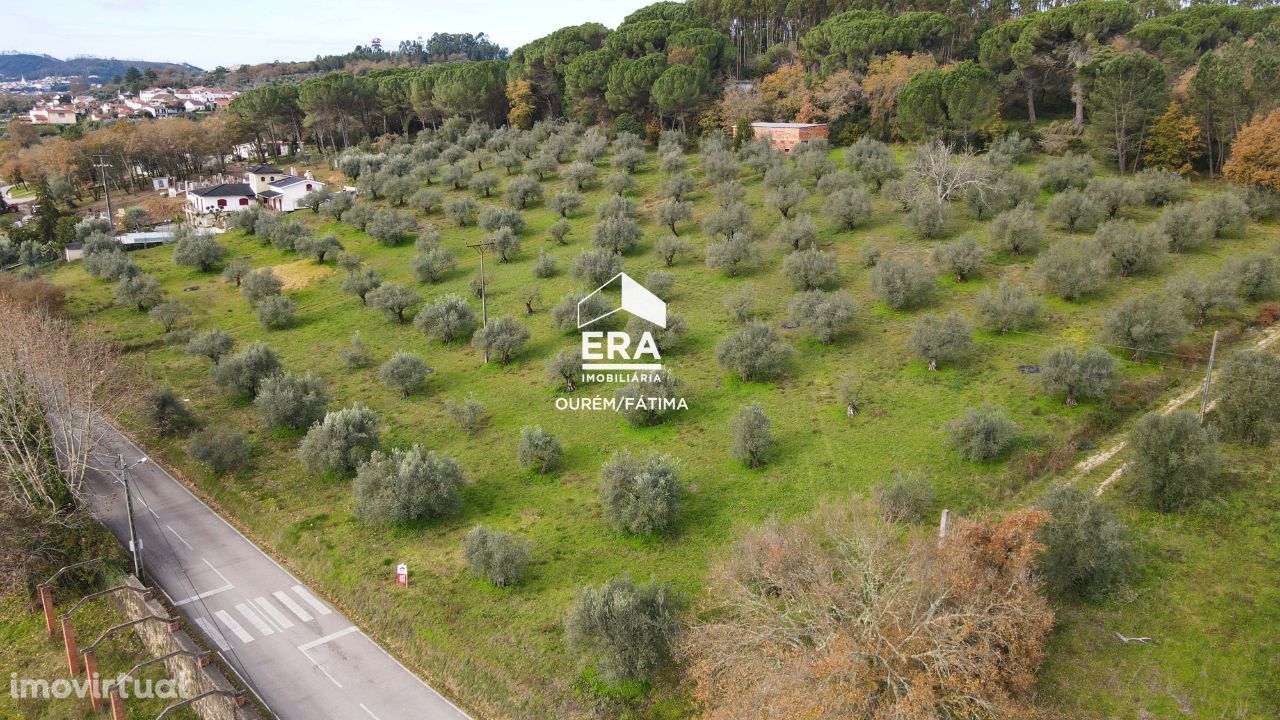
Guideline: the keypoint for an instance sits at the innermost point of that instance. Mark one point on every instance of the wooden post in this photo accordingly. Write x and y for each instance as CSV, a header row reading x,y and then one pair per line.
x,y
69,641
117,704
46,602
942,526
91,671
1208,375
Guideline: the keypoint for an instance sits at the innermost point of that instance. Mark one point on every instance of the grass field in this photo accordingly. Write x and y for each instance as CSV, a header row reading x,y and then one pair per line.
x,y
501,651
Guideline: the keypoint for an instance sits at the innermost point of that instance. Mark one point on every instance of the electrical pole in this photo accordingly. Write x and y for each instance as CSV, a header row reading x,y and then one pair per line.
x,y
135,545
1208,375
482,248
102,165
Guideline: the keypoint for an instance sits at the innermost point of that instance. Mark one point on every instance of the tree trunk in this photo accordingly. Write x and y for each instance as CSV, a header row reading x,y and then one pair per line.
x,y
1031,105
1077,95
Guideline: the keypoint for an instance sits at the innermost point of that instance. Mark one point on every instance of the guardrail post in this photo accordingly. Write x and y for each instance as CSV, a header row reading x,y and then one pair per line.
x,y
46,602
69,639
117,705
91,671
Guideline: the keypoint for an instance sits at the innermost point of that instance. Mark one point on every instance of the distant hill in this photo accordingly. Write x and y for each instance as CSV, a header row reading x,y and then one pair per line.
x,y
16,65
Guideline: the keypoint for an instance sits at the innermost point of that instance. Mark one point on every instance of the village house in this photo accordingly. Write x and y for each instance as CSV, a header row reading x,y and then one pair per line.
x,y
784,136
264,185
52,115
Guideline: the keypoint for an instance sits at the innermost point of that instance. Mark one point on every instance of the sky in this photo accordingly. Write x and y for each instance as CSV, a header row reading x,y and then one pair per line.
x,y
208,33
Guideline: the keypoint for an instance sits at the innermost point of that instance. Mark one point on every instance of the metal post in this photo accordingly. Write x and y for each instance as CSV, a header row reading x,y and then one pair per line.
x,y
135,545
1208,375
106,187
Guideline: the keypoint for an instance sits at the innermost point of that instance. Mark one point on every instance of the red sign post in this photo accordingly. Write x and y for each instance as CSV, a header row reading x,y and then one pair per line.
x,y
402,575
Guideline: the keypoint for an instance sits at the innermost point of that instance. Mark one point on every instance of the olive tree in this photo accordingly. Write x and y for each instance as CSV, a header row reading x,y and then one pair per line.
x,y
733,254
1256,276
167,413
286,400
168,314
199,250
538,449
941,339
140,291
404,372
214,344
1086,548
566,203
1017,231
640,495
1162,187
672,248
432,264
811,269
752,441
1202,296
1008,307
981,434
1186,227
1248,401
341,441
522,192
673,211
617,235
754,352
394,300
260,284
1133,250
362,282
596,267
1074,211
1175,459
244,373
276,312
1113,193
1072,269
1074,374
961,259
629,630
500,558
826,316
900,284
503,339
565,368
224,450
848,207
559,231
357,354
798,233
403,486
649,401
1147,323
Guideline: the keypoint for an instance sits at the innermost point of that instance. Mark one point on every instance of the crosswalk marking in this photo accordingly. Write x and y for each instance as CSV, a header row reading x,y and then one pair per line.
x,y
233,626
254,620
311,600
213,633
276,616
293,606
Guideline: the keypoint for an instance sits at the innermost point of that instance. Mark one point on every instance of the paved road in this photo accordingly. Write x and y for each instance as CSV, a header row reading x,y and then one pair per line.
x,y
301,656
6,189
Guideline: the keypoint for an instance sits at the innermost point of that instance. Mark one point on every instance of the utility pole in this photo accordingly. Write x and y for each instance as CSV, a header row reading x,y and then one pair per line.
x,y
1208,375
101,164
135,545
483,248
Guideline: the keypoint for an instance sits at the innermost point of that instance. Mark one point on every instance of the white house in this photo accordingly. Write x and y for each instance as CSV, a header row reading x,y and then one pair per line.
x,y
227,197
264,185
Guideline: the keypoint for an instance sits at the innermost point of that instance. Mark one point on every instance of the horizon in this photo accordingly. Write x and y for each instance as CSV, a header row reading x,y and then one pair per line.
x,y
124,31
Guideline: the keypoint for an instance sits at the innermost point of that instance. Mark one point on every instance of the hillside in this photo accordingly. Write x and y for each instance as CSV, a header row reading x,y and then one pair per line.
x,y
501,650
17,65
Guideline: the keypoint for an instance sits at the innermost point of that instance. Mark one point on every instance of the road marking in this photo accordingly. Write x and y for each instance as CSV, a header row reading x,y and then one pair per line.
x,y
332,679
328,638
203,595
294,607
254,620
273,614
375,717
311,600
215,571
175,534
234,626
213,633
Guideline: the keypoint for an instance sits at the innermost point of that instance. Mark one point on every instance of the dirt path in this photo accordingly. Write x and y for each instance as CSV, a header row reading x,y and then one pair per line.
x,y
1085,467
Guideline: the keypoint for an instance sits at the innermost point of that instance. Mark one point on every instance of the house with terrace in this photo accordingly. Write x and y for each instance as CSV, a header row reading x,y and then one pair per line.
x,y
263,185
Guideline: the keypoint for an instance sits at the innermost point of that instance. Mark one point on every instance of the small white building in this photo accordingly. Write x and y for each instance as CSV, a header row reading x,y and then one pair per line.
x,y
227,197
264,185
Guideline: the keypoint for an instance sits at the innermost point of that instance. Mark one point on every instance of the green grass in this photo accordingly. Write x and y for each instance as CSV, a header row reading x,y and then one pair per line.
x,y
500,651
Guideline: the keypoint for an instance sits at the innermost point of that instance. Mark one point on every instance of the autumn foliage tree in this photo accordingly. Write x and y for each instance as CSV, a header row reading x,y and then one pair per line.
x,y
1173,142
1255,155
836,617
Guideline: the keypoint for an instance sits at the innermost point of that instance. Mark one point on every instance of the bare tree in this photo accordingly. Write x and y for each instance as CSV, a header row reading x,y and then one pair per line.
x,y
947,174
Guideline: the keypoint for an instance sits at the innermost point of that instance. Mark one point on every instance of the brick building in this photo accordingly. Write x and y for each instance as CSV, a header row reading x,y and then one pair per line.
x,y
785,136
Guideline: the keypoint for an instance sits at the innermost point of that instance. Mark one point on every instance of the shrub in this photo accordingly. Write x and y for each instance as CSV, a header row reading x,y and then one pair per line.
x,y
1248,401
961,258
276,312
629,630
665,338
1201,296
1112,194
741,305
559,231
752,440
166,412
341,441
325,247
433,264
1074,211
260,284
1148,323
213,344
660,395
1017,231
199,250
1186,226
981,434
660,283
243,373
732,255
362,282
1086,547
462,211
447,319
1174,459
1133,250
825,316
847,207
499,557
357,355
811,269
873,160
393,299
906,497
1010,307
1162,187
755,352
565,368
404,372
538,449
640,495
290,401
596,267
113,265
402,486
1256,276
522,192
140,291
224,450
1074,374
941,339
799,233
901,285
727,220
928,216
1072,269
617,235
566,203
468,414
1068,171
1225,213
504,337
620,183
426,200
169,314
